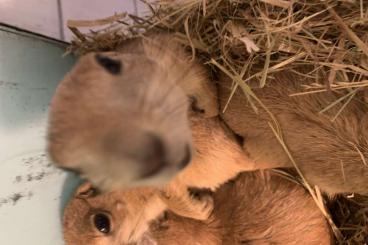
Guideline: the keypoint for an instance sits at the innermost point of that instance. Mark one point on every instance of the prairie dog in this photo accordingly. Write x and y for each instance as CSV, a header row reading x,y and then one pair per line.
x,y
120,118
332,155
255,208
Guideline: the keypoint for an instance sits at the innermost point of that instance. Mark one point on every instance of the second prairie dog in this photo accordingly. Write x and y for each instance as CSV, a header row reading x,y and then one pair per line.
x,y
256,208
332,155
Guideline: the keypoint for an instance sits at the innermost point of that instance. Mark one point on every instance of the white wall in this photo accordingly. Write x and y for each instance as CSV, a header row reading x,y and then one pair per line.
x,y
48,17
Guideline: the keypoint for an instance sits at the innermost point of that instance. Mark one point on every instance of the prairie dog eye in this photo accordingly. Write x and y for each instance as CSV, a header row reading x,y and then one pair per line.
x,y
102,223
111,65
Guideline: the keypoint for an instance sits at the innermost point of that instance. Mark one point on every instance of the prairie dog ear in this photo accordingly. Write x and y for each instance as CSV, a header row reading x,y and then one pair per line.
x,y
147,239
202,92
207,99
85,190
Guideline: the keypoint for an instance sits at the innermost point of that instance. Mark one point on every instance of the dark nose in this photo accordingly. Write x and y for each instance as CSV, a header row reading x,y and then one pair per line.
x,y
153,157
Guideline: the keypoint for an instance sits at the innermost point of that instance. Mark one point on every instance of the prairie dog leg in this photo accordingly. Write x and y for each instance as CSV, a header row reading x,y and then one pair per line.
x,y
178,197
179,200
218,159
210,174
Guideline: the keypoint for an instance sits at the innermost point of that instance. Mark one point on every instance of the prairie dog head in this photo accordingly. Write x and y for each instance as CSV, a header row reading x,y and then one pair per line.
x,y
130,217
120,118
120,217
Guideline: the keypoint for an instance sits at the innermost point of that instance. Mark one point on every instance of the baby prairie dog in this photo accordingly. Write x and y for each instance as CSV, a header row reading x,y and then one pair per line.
x,y
255,208
330,154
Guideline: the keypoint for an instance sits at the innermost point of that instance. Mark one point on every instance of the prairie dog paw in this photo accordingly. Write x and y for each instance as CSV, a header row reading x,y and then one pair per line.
x,y
202,203
191,203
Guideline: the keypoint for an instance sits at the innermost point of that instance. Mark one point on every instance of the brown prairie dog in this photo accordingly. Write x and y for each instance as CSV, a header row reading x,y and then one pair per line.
x,y
120,119
256,208
332,155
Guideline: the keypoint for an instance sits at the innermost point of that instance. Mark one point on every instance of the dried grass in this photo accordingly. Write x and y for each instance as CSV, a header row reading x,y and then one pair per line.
x,y
252,39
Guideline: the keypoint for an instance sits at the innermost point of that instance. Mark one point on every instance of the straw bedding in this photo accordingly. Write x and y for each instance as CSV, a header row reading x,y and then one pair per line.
x,y
252,39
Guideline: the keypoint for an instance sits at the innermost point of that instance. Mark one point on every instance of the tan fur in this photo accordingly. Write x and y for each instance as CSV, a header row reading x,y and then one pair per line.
x,y
257,208
98,120
217,158
129,210
332,155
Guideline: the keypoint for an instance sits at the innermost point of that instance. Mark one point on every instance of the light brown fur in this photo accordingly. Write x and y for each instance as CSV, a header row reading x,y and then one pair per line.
x,y
257,208
217,158
332,155
100,123
98,120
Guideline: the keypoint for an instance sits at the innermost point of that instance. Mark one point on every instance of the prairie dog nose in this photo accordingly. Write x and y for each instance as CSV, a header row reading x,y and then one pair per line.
x,y
153,156
145,149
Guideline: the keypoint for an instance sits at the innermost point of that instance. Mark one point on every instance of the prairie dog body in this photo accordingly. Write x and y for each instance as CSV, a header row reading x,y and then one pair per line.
x,y
256,208
332,155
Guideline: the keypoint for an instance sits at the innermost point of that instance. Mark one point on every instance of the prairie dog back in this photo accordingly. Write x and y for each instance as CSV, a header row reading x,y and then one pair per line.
x,y
332,155
255,208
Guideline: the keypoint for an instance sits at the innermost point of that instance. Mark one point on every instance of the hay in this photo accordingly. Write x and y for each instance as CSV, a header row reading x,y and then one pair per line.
x,y
252,39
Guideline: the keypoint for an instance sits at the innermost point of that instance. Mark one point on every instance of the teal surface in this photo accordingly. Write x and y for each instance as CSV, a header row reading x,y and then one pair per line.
x,y
32,191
